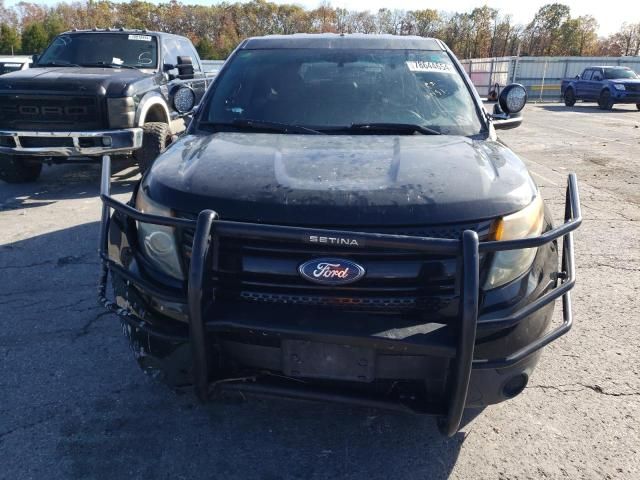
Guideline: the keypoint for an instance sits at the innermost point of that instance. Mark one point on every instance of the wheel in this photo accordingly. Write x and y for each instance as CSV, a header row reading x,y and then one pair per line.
x,y
156,137
569,97
605,102
19,169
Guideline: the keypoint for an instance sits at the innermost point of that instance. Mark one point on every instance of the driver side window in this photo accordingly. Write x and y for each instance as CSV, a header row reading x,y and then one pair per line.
x,y
597,76
587,75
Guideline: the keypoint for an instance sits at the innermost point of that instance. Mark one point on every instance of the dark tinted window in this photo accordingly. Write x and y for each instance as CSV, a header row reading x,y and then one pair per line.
x,y
325,88
134,50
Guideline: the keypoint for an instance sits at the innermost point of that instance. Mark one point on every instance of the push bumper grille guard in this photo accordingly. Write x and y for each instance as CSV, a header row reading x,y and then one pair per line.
x,y
204,259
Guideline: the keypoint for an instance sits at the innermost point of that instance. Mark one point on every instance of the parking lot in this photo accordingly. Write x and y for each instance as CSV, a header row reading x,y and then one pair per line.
x,y
73,403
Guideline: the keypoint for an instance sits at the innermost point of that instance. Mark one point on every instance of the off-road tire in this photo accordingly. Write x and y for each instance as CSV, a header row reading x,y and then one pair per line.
x,y
19,169
605,102
569,97
156,137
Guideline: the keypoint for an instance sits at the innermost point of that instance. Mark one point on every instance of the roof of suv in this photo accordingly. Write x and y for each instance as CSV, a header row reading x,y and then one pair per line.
x,y
609,67
131,31
335,40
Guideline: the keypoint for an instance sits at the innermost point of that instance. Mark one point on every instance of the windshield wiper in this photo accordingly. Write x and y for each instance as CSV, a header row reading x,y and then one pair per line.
x,y
55,63
263,125
394,127
108,65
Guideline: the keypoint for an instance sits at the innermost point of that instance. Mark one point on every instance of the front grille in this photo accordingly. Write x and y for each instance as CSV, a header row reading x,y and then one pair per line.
x,y
35,142
50,112
266,272
632,87
351,303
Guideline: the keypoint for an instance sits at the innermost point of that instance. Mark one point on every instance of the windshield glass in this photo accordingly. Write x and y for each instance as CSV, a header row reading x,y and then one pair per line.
x,y
109,49
614,73
329,89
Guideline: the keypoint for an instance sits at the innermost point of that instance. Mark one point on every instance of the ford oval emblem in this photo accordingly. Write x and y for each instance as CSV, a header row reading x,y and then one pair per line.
x,y
331,271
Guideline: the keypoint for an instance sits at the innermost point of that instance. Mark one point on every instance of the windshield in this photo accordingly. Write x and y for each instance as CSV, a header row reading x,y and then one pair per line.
x,y
614,73
332,89
102,49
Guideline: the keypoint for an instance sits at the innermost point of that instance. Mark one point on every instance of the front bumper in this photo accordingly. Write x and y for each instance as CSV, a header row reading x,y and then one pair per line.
x,y
624,96
70,144
450,347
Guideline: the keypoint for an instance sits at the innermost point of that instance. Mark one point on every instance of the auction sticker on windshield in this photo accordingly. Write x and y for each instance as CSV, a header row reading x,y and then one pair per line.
x,y
142,38
421,66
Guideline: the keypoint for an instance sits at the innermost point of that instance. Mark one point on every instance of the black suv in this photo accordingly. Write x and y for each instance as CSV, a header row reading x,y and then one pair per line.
x,y
97,92
340,223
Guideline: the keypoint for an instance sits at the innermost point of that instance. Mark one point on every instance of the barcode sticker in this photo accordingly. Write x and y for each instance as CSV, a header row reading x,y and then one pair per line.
x,y
141,38
420,66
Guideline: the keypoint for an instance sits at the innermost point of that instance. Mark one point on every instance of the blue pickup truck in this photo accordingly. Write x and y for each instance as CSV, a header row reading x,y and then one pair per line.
x,y
605,85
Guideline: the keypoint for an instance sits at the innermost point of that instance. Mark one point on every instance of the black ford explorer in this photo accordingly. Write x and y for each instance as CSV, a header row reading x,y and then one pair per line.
x,y
340,223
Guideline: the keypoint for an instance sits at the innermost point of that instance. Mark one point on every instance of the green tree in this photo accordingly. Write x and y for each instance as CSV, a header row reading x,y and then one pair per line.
x,y
545,31
9,40
54,24
34,38
425,22
206,49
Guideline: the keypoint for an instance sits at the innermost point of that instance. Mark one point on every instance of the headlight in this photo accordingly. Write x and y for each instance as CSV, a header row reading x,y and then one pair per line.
x,y
122,112
158,242
618,86
510,264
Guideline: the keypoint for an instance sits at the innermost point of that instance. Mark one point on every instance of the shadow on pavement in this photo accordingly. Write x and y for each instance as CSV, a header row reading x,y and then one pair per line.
x,y
590,108
73,393
63,182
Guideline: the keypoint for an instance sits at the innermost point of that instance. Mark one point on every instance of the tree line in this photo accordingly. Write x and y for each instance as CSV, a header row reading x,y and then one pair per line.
x,y
216,29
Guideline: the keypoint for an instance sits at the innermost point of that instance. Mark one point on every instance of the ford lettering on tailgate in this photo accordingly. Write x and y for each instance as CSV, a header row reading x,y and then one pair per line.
x,y
331,271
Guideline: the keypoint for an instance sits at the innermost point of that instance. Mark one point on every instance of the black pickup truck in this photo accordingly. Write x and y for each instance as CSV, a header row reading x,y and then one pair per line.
x,y
341,223
94,92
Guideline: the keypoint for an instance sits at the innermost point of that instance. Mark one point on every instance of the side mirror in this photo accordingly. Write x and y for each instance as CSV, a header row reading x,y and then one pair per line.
x,y
185,67
506,113
35,58
577,77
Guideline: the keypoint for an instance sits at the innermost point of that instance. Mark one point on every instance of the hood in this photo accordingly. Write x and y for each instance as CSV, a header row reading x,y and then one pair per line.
x,y
336,180
633,81
79,80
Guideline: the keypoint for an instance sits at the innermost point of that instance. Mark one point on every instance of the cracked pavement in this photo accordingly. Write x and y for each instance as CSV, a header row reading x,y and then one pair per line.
x,y
73,403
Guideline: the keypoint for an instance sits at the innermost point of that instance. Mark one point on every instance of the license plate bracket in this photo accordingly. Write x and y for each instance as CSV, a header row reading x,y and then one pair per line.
x,y
301,358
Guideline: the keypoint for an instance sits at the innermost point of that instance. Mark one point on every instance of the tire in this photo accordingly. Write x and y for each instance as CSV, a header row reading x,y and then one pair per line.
x,y
605,102
569,97
156,137
19,169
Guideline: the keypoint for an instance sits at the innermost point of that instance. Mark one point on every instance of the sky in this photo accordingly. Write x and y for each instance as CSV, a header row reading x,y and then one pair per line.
x,y
522,11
